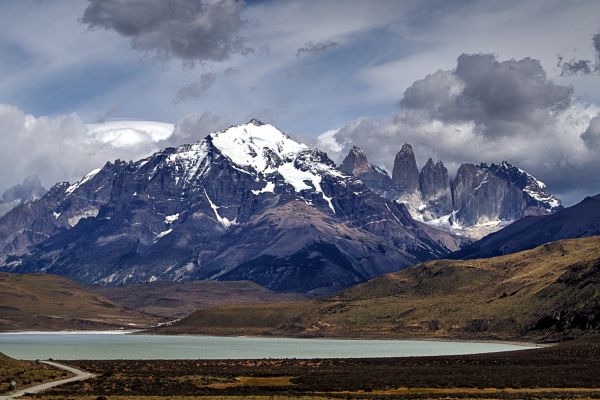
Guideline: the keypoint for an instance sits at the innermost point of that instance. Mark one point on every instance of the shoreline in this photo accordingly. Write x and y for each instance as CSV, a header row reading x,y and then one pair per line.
x,y
527,344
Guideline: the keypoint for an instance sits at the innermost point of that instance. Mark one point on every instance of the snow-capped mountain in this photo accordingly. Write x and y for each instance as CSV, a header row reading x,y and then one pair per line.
x,y
481,199
244,203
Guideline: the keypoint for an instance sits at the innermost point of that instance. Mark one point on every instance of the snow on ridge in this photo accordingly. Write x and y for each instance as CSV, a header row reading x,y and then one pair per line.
x,y
86,178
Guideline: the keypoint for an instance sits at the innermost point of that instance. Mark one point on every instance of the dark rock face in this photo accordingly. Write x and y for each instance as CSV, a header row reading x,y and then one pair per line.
x,y
580,220
245,203
405,175
375,178
29,190
435,188
481,196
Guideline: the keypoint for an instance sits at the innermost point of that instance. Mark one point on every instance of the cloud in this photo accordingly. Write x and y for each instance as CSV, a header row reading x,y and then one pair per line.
x,y
194,127
500,98
487,111
591,136
316,47
196,89
189,30
64,148
582,66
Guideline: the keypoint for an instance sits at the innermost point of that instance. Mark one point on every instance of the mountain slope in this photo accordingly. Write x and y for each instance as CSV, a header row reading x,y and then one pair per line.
x,y
580,220
180,213
549,292
50,302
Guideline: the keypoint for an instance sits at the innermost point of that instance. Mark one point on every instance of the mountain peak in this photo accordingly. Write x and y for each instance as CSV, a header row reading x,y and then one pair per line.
x,y
405,174
256,121
355,162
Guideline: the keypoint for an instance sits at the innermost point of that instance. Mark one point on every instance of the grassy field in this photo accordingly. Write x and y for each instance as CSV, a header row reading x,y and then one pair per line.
x,y
50,302
546,293
568,370
25,373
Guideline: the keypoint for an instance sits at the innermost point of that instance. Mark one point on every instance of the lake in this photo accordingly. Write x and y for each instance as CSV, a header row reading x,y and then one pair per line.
x,y
106,346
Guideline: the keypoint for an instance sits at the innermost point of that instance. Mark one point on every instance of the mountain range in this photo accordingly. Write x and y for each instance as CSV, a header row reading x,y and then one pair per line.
x,y
246,203
250,203
479,200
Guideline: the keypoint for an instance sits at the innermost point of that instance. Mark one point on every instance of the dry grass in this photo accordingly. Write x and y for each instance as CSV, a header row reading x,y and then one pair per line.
x,y
50,302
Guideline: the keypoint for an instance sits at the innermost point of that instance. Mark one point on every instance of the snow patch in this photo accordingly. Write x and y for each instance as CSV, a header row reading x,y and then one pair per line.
x,y
222,220
169,219
86,178
269,188
87,213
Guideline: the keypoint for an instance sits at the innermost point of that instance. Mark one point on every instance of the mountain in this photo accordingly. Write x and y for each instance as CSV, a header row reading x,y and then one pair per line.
x,y
547,293
30,189
580,220
50,302
178,299
246,203
479,200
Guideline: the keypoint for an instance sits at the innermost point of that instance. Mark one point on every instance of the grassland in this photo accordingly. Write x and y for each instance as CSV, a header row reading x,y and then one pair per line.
x,y
25,373
546,293
50,302
568,370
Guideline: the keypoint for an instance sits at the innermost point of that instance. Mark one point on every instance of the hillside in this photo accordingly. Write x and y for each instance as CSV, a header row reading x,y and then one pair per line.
x,y
177,299
548,292
580,220
50,302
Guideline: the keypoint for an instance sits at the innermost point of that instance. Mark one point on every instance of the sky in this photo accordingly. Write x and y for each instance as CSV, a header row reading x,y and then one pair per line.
x,y
462,81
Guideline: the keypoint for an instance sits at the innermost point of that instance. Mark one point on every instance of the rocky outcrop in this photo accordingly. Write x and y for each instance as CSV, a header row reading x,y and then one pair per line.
x,y
244,203
435,188
405,175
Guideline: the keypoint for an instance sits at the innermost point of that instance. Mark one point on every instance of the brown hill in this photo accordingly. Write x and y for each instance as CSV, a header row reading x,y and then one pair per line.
x,y
548,292
50,302
177,299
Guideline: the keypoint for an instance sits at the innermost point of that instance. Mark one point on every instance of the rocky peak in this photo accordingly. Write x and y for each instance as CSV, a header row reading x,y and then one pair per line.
x,y
435,188
356,162
405,174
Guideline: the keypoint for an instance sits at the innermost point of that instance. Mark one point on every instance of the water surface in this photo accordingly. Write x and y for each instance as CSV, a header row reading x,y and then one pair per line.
x,y
105,346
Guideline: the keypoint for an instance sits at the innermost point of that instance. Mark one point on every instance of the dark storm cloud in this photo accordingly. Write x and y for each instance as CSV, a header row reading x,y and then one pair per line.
x,y
494,95
190,30
316,47
196,89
